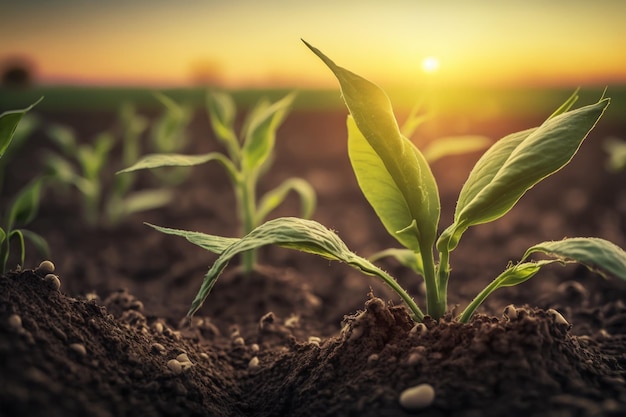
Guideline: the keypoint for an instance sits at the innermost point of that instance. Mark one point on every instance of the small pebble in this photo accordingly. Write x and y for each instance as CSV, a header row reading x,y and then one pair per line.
x,y
157,348
52,281
204,356
419,328
254,363
511,312
175,366
254,347
158,327
238,341
314,340
15,322
79,348
182,358
45,267
417,397
558,318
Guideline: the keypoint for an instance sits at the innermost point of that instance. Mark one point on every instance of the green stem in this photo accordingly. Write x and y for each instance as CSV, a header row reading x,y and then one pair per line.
x,y
246,197
435,306
443,273
371,269
471,308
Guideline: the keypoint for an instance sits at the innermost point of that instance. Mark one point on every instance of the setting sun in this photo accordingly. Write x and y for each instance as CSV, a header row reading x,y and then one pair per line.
x,y
430,64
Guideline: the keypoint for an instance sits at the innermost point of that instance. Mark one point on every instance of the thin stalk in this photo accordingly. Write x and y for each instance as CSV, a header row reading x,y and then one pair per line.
x,y
434,305
371,269
471,308
246,197
443,273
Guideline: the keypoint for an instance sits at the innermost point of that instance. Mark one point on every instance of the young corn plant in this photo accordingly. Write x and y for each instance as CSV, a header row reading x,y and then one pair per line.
x,y
397,181
84,167
245,162
23,209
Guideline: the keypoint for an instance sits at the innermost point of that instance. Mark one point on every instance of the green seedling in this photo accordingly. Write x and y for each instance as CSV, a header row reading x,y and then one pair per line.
x,y
169,135
83,166
616,149
397,181
246,161
24,206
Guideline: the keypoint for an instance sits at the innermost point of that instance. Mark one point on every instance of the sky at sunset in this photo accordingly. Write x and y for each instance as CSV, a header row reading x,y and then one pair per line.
x,y
256,43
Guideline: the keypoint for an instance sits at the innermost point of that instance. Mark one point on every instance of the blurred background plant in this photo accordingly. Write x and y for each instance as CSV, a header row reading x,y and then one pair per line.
x,y
616,148
247,158
86,166
23,208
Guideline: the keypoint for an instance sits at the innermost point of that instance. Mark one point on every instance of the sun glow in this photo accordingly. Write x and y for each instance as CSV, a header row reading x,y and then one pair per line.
x,y
430,64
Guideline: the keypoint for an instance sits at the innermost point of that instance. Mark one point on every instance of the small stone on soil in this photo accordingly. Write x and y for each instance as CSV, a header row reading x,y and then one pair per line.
x,y
175,366
511,312
79,348
15,322
52,281
45,267
417,397
254,363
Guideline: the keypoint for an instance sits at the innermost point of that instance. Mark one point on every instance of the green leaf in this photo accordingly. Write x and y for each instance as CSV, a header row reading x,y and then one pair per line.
x,y
20,238
260,134
3,236
299,234
222,112
379,187
25,206
509,169
214,244
9,121
373,115
275,197
137,202
179,160
454,145
414,120
37,241
64,137
406,257
597,254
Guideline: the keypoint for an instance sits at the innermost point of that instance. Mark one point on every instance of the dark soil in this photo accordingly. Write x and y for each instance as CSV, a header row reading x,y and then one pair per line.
x,y
302,336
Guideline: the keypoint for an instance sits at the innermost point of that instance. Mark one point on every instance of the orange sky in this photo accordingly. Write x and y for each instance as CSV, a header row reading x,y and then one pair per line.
x,y
243,42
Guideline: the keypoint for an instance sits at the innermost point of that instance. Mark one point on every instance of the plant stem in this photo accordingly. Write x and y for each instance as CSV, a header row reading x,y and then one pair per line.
x,y
435,306
372,269
246,197
469,310
443,273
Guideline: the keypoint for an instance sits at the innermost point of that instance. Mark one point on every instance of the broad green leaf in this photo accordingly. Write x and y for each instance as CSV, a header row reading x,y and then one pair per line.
x,y
597,254
222,112
25,206
494,187
214,244
179,160
373,115
299,234
275,197
260,134
9,121
406,257
454,145
379,187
